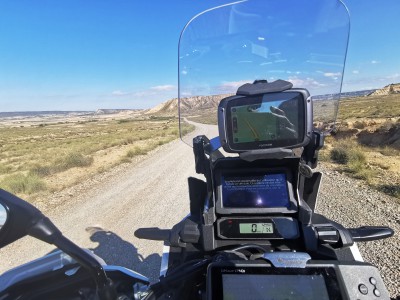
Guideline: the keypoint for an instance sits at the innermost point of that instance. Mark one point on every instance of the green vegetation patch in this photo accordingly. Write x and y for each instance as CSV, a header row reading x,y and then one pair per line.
x,y
63,163
389,151
370,107
20,183
186,128
4,169
366,143
136,151
347,152
72,160
43,150
352,158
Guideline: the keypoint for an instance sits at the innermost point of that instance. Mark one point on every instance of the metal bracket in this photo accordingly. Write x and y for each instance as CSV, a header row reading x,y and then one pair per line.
x,y
287,259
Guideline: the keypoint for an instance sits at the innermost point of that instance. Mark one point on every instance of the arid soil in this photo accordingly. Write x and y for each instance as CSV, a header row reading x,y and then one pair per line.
x,y
103,212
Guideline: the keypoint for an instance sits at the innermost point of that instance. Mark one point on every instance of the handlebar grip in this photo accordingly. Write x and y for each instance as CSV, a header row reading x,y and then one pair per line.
x,y
153,233
370,233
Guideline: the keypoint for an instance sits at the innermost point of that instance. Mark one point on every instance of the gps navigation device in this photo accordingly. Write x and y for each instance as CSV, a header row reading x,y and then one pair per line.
x,y
265,121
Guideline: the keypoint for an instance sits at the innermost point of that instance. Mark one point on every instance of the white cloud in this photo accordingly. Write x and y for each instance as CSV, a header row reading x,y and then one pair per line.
x,y
356,72
394,76
332,75
163,88
306,82
143,93
231,86
152,91
375,62
120,93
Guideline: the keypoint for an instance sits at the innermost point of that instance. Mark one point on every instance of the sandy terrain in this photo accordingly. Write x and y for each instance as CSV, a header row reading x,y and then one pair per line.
x,y
72,117
103,212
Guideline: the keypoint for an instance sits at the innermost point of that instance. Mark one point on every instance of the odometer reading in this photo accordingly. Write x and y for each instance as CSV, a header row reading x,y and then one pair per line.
x,y
246,228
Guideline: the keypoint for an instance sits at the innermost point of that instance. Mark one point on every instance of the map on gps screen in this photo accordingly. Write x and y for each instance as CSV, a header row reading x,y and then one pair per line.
x,y
265,122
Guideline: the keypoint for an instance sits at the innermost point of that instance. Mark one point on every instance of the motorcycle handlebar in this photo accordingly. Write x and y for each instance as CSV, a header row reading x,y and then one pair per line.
x,y
153,233
370,233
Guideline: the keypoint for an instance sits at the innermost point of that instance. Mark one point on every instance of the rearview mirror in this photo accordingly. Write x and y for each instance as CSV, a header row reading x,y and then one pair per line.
x,y
3,216
18,218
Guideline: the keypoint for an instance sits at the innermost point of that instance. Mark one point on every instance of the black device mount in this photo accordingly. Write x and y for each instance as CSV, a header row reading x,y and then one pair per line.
x,y
263,86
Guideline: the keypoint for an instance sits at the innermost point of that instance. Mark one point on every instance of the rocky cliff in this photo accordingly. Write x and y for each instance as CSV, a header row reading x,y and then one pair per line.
x,y
188,104
393,88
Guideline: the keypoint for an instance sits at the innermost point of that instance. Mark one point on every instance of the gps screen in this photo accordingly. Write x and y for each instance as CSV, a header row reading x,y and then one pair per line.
x,y
267,121
274,287
260,191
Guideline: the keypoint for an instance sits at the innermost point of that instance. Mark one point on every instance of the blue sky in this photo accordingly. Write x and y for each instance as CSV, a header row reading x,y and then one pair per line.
x,y
85,55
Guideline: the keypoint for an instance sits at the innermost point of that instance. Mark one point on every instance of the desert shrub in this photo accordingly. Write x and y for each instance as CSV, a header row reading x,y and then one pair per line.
x,y
175,132
323,155
71,160
125,159
389,151
162,142
186,128
41,171
4,169
128,140
20,183
352,155
360,124
360,170
136,151
340,155
122,121
346,151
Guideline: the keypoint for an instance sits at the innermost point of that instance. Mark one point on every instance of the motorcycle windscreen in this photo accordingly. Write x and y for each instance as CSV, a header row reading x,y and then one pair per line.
x,y
301,41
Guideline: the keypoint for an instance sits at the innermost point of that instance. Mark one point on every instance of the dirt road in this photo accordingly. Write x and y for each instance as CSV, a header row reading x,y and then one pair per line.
x,y
103,213
152,193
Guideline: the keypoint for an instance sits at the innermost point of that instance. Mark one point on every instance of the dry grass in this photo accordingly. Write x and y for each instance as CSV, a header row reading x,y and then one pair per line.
x,y
136,151
370,107
366,144
25,184
352,156
205,118
51,156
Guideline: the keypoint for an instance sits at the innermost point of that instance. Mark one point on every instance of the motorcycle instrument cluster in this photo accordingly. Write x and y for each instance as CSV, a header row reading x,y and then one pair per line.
x,y
316,280
254,191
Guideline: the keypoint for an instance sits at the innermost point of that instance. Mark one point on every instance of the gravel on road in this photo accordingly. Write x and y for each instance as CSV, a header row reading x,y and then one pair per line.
x,y
102,213
352,203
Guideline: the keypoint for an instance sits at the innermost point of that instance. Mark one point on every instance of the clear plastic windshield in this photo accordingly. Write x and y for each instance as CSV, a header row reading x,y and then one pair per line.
x,y
301,41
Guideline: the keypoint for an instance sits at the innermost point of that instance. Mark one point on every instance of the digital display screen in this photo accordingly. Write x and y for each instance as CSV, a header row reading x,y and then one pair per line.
x,y
260,191
269,119
274,287
246,228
